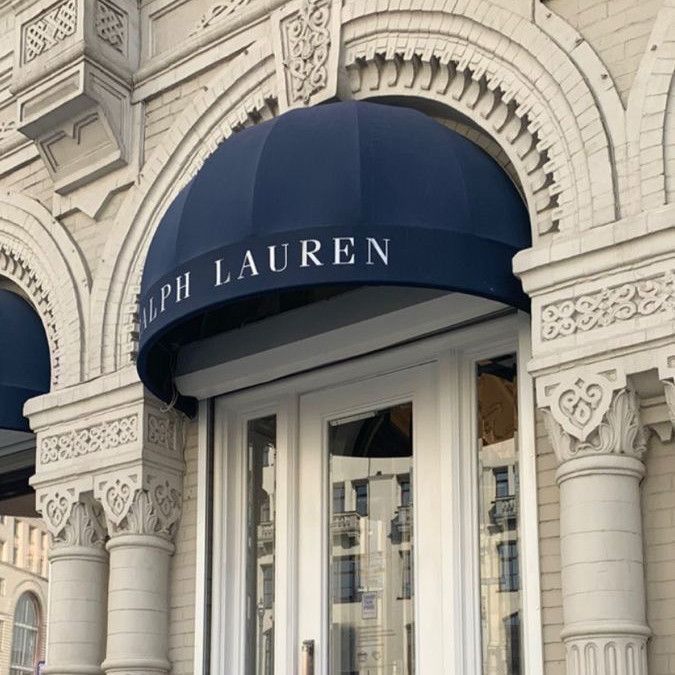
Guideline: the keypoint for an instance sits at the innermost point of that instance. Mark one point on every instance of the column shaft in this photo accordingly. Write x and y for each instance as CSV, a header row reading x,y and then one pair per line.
x,y
77,610
138,605
602,565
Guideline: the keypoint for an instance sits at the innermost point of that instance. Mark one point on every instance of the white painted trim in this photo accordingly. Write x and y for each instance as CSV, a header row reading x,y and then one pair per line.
x,y
529,516
329,343
202,534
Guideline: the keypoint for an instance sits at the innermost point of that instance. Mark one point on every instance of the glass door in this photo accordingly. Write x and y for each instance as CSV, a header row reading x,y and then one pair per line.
x,y
368,541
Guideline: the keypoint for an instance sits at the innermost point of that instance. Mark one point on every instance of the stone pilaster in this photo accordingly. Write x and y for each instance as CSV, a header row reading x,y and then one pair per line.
x,y
598,438
78,582
142,507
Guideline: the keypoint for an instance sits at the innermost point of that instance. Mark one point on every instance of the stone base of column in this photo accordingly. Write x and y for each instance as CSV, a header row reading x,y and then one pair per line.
x,y
72,670
136,666
611,653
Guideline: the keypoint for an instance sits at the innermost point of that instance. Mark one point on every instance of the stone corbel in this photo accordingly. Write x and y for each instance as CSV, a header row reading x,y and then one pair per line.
x,y
590,413
666,370
306,36
142,500
73,74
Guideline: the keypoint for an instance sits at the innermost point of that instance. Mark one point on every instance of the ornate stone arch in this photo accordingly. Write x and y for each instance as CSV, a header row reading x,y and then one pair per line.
x,y
38,255
649,110
547,123
549,126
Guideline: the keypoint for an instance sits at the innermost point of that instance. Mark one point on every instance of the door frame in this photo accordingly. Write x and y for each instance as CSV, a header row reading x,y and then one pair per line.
x,y
462,649
418,385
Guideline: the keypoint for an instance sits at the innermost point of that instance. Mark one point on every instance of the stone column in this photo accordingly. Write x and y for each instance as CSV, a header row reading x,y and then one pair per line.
x,y
142,508
594,425
78,585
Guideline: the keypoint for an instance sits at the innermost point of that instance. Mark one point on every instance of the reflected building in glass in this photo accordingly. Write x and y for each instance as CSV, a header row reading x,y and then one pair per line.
x,y
500,597
371,544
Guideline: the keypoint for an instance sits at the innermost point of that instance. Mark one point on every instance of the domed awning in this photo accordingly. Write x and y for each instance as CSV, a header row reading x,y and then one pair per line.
x,y
24,359
345,193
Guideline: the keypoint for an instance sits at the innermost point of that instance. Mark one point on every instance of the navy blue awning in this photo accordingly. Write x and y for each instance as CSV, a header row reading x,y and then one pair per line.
x,y
339,194
24,359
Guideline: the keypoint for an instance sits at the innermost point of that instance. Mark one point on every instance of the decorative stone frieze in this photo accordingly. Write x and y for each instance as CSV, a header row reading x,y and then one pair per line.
x,y
307,46
72,78
609,305
46,30
100,432
83,441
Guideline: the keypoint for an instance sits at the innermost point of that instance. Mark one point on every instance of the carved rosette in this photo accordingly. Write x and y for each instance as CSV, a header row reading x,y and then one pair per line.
x,y
151,506
586,414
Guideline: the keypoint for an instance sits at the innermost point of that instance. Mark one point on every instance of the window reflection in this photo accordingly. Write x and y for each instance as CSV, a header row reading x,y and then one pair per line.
x,y
371,544
498,514
261,487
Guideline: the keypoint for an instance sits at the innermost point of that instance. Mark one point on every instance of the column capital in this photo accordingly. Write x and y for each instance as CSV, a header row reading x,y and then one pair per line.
x,y
72,517
590,414
140,500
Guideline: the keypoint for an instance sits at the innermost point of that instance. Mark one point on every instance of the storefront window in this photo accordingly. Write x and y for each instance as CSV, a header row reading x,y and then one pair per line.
x,y
498,515
261,484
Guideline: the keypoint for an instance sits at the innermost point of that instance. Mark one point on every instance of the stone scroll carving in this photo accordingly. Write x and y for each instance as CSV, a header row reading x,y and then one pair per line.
x,y
48,29
589,414
306,47
99,437
147,506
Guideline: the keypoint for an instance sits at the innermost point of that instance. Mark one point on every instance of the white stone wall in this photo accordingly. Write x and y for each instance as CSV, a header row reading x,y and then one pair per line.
x,y
183,568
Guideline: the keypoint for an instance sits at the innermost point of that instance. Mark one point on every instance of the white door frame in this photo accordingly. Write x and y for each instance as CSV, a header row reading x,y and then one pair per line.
x,y
456,353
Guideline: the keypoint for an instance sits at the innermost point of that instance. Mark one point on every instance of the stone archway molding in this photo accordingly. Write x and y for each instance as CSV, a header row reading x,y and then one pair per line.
x,y
39,256
524,92
647,114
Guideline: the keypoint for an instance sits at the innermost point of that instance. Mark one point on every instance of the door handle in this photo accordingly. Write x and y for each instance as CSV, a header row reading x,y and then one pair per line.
x,y
307,657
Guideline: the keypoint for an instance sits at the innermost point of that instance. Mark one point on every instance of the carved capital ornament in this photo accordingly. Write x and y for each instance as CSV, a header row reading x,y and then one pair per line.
x,y
587,414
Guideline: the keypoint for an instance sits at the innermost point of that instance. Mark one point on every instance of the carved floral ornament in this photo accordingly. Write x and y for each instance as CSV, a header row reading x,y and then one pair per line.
x,y
588,414
71,518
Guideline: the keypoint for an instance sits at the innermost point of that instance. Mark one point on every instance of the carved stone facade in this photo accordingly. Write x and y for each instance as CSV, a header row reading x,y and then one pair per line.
x,y
109,107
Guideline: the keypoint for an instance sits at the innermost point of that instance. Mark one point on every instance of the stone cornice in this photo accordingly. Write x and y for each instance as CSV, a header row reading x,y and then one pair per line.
x,y
563,259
